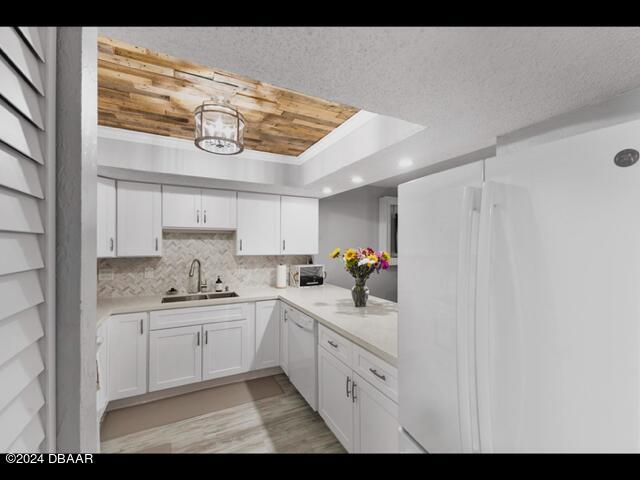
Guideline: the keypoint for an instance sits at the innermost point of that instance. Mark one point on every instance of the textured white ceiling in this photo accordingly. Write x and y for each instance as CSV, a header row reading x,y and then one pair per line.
x,y
491,79
466,85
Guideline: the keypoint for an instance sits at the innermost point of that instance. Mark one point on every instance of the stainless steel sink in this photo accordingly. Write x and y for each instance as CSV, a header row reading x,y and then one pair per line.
x,y
200,296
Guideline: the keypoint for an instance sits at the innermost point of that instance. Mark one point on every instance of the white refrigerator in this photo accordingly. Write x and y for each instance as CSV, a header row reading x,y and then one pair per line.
x,y
519,300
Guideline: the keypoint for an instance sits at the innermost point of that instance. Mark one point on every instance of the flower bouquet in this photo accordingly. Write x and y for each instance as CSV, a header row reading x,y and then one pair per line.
x,y
360,263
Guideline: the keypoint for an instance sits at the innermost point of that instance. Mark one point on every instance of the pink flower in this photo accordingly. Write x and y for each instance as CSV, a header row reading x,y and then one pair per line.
x,y
385,265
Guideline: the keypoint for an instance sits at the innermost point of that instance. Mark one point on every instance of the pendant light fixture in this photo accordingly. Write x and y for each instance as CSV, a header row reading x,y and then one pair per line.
x,y
219,127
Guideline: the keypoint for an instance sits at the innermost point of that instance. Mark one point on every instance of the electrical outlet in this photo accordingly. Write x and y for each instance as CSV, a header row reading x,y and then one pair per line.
x,y
148,272
105,274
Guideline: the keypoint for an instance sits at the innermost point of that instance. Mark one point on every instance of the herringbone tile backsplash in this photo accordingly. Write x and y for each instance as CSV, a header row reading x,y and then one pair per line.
x,y
216,251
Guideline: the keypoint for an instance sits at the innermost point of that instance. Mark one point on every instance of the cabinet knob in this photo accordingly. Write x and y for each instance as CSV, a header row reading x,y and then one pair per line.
x,y
348,381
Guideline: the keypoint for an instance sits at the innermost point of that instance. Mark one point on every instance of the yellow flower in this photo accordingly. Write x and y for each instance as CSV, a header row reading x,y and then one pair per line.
x,y
386,256
350,254
335,253
373,257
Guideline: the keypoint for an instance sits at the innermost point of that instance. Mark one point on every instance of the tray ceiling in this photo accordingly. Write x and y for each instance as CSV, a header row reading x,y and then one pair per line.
x,y
146,91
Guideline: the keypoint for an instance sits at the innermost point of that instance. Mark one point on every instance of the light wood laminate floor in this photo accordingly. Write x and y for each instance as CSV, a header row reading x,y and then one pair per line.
x,y
279,424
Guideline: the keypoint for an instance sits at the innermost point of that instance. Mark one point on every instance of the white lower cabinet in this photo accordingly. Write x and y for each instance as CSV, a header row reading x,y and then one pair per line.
x,y
127,355
227,349
376,420
267,351
335,404
175,357
359,414
285,312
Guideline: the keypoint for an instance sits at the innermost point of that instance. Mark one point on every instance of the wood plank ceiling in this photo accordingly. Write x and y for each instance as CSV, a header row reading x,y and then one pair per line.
x,y
146,91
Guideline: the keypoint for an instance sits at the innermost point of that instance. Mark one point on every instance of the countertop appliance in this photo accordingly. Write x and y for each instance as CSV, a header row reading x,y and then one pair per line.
x,y
302,366
519,300
307,275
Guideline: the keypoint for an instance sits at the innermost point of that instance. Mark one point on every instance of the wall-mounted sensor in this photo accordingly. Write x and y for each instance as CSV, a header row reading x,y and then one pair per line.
x,y
626,158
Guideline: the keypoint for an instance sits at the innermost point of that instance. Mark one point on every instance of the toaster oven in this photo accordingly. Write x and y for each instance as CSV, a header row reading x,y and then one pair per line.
x,y
307,275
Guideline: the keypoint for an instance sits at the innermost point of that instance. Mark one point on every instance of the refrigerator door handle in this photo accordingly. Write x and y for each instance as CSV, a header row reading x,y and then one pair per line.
x,y
467,258
483,317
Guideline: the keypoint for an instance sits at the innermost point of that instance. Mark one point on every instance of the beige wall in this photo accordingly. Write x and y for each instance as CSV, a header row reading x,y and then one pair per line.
x,y
350,219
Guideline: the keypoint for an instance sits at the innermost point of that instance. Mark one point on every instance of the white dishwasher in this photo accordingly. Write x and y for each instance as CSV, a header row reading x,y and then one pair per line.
x,y
302,356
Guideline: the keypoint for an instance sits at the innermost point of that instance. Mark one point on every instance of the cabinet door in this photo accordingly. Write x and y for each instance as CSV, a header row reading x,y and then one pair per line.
x,y
181,207
258,224
127,355
218,209
299,217
285,311
376,420
335,403
139,219
267,353
175,357
227,348
106,218
102,350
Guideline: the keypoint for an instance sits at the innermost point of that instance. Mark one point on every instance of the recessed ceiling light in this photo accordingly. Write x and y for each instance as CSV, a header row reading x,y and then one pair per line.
x,y
356,179
327,190
405,162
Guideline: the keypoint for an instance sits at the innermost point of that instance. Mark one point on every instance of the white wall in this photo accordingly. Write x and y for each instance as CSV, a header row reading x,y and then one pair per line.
x,y
76,275
350,219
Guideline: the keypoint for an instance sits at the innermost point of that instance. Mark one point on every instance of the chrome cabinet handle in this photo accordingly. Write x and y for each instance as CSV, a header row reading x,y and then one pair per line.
x,y
285,315
353,392
198,339
348,380
298,325
205,216
284,245
334,345
206,337
141,326
156,244
240,244
111,244
197,216
379,375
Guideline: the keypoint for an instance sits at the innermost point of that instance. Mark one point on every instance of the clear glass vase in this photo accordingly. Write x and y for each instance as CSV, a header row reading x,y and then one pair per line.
x,y
360,293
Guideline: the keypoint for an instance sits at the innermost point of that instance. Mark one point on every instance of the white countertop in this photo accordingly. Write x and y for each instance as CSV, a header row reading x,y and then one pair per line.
x,y
374,327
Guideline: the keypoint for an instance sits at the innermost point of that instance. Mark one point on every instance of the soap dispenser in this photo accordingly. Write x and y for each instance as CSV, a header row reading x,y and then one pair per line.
x,y
218,284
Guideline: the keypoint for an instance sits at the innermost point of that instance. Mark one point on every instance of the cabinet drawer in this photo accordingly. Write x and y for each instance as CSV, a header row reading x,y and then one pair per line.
x,y
335,344
377,372
181,317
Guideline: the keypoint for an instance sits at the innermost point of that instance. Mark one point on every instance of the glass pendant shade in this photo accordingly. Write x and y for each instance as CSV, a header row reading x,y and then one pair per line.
x,y
219,128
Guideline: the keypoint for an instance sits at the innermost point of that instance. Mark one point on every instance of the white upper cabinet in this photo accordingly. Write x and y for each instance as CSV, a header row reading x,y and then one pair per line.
x,y
267,334
299,226
195,208
106,217
218,209
181,207
139,220
258,224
